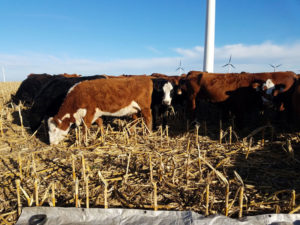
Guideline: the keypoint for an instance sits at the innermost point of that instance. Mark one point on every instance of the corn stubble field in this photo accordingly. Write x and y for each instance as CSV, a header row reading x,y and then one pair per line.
x,y
126,167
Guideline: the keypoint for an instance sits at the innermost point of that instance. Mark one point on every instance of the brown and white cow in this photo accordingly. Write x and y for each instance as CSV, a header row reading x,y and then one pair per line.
x,y
51,96
89,100
234,91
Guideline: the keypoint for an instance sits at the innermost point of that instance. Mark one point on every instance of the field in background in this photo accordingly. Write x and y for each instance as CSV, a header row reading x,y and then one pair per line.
x,y
124,166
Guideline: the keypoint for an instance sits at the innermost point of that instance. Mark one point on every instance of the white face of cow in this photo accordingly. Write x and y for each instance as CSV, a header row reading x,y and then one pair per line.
x,y
55,134
268,88
167,88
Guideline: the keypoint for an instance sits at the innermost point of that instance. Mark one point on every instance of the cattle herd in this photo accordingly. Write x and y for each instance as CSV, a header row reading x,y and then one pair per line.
x,y
63,100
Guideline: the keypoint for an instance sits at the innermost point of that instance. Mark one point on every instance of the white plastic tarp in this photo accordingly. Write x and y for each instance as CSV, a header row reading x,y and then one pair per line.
x,y
94,216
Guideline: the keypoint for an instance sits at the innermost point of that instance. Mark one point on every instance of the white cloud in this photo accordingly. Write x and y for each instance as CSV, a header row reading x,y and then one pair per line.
x,y
251,58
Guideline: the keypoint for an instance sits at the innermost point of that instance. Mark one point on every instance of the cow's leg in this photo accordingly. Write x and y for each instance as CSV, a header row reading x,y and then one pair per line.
x,y
87,119
135,116
164,112
147,115
155,112
99,122
192,107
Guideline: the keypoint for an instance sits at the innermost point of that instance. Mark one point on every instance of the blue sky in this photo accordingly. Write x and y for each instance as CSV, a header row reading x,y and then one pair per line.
x,y
142,36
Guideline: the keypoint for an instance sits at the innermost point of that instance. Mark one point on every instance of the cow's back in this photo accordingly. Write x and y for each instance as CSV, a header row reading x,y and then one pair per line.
x,y
109,95
30,87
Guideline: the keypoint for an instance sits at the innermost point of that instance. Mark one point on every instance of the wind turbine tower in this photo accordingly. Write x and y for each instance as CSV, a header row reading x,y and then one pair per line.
x,y
180,68
208,62
229,65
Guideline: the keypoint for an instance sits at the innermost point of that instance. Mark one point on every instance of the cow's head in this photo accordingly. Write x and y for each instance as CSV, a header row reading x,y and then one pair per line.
x,y
168,93
162,91
268,90
56,133
182,86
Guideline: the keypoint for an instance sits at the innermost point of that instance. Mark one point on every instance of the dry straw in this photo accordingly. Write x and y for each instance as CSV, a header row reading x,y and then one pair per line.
x,y
46,195
151,168
187,162
207,200
241,196
127,167
53,194
29,199
21,120
20,166
19,197
73,168
227,200
87,192
83,167
155,206
76,192
36,191
197,134
167,134
105,189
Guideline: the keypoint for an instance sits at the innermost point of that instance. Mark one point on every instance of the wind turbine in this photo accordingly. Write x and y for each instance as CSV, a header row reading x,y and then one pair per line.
x,y
180,68
275,66
3,73
229,65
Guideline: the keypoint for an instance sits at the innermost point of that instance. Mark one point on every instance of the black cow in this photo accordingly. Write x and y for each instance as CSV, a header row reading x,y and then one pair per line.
x,y
30,87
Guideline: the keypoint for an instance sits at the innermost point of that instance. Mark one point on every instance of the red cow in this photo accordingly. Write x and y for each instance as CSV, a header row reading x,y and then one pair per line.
x,y
89,100
234,91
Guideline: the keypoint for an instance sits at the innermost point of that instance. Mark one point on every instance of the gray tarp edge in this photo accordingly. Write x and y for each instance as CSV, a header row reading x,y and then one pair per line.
x,y
94,216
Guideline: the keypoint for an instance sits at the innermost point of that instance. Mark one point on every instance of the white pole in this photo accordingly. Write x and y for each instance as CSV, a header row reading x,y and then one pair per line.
x,y
3,74
208,62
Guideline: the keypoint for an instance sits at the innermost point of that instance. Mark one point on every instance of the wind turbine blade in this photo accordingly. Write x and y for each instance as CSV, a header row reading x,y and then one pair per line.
x,y
229,59
232,66
278,65
225,65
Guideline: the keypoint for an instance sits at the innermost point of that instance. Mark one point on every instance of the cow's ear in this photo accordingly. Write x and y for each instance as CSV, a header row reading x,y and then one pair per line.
x,y
51,123
279,88
156,84
256,85
178,91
